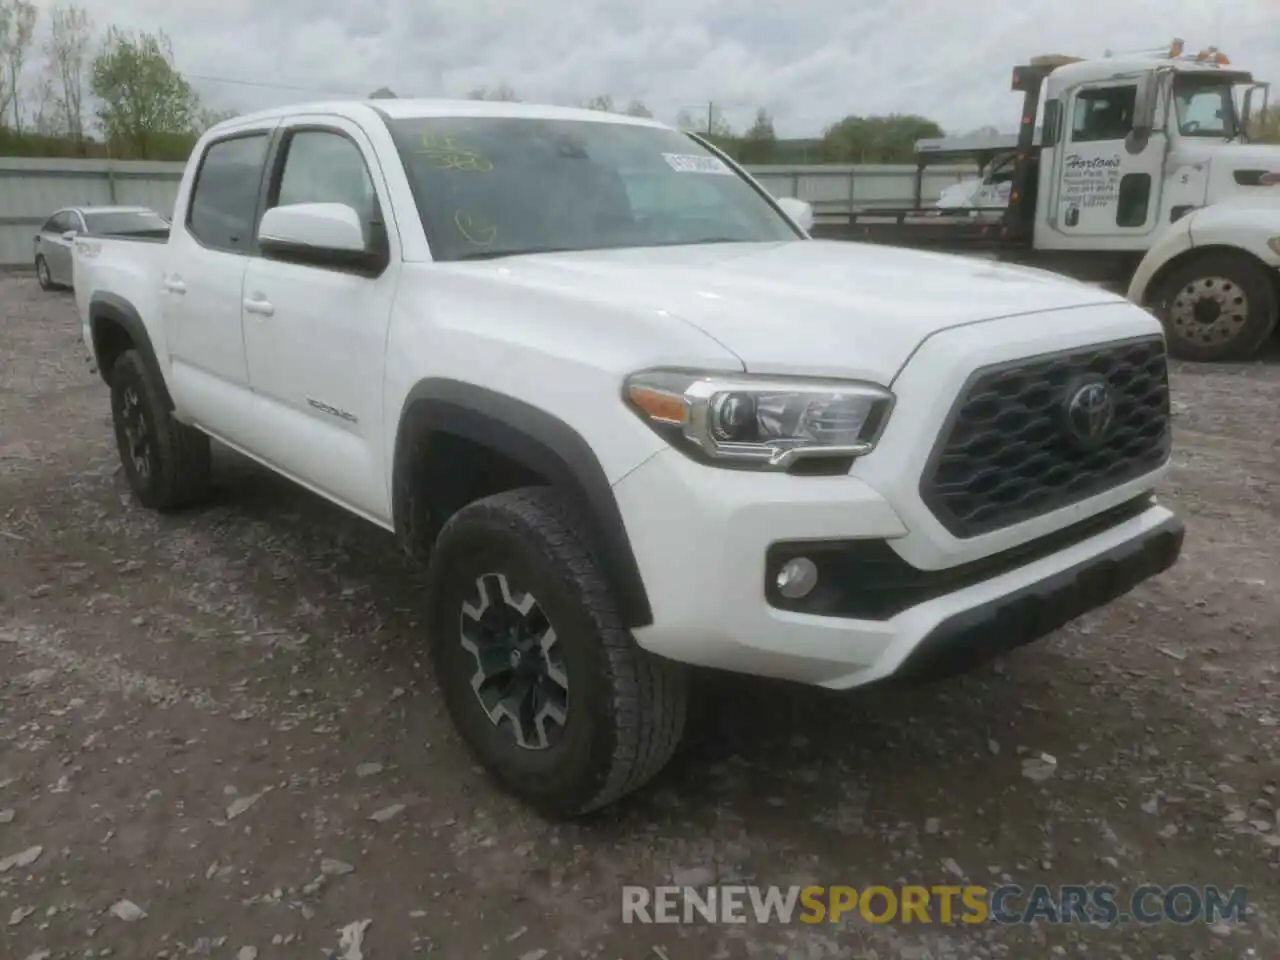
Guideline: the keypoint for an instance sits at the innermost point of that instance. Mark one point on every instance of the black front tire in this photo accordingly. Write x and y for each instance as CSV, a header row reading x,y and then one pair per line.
x,y
625,708
1234,284
43,275
167,463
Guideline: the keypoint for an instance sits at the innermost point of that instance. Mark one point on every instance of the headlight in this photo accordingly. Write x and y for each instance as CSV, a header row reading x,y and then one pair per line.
x,y
744,420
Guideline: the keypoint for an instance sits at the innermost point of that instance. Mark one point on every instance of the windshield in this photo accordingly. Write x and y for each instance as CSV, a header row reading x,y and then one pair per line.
x,y
125,221
1205,107
496,186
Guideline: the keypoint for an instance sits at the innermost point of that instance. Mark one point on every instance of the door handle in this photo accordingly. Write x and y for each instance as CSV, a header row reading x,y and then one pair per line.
x,y
174,285
259,306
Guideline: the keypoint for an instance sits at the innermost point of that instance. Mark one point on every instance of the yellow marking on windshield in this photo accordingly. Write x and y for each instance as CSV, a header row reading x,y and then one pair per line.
x,y
444,154
476,233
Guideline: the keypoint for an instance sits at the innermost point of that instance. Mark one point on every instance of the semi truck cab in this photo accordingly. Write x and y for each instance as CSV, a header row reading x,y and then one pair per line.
x,y
1132,144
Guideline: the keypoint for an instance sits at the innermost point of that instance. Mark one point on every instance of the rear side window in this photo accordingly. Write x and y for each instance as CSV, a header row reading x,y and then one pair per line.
x,y
225,198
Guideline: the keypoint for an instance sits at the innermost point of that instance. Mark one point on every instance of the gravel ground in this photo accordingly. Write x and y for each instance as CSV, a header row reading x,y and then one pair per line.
x,y
218,737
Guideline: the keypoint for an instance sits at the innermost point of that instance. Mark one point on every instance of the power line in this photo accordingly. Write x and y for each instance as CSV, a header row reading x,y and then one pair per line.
x,y
267,85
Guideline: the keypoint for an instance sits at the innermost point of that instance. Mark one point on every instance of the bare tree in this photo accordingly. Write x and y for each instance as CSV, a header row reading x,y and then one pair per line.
x,y
46,119
637,109
67,60
17,28
603,103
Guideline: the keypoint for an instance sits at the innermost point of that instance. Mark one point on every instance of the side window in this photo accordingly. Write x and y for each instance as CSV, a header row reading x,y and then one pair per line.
x,y
1105,113
55,224
325,167
1051,132
1134,200
225,196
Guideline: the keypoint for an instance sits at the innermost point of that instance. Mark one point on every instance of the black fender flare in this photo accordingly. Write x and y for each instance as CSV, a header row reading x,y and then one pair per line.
x,y
537,441
107,308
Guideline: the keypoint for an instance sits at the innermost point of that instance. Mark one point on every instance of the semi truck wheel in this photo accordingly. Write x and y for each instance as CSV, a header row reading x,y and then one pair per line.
x,y
1218,306
542,680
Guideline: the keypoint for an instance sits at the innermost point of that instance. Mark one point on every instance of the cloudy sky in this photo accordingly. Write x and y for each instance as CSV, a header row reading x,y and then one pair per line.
x,y
807,61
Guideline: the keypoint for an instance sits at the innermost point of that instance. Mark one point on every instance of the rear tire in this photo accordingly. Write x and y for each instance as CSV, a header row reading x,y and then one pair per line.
x,y
43,275
567,724
1217,307
167,463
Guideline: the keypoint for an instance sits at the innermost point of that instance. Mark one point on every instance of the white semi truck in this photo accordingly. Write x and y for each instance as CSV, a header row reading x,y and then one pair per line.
x,y
1137,170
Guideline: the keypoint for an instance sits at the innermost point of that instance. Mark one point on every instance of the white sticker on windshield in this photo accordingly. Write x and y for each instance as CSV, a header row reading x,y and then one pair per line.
x,y
695,163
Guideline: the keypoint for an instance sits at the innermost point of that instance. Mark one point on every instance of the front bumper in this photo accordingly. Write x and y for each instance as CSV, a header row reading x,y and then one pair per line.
x,y
1029,613
702,550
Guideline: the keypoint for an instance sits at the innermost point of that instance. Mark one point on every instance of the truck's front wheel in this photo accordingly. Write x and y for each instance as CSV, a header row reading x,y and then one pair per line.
x,y
1219,306
166,462
544,683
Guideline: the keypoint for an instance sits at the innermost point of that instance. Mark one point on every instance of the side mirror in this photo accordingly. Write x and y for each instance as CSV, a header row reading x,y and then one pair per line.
x,y
318,234
1144,113
799,211
69,235
1144,109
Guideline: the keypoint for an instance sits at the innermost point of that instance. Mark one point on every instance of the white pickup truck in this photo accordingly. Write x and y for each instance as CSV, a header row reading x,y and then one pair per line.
x,y
630,415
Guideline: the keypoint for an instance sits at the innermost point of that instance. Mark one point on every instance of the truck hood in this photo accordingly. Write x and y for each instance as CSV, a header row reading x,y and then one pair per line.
x,y
816,307
1249,156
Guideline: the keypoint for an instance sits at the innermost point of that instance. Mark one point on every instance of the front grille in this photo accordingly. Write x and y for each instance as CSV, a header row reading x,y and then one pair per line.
x,y
1009,451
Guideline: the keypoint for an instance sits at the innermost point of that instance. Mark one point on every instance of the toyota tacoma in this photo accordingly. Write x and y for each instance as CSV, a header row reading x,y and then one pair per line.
x,y
629,415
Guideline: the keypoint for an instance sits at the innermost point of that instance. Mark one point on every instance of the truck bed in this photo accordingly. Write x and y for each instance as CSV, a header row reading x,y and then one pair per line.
x,y
128,266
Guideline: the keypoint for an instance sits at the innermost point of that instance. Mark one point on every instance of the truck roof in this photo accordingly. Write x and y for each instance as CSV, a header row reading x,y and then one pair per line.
x,y
1070,74
408,109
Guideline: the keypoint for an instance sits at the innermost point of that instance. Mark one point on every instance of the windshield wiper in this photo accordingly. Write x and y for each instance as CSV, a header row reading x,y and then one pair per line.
x,y
496,254
697,241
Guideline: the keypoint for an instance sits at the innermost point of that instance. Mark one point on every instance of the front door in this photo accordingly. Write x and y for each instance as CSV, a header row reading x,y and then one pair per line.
x,y
315,337
56,250
1107,197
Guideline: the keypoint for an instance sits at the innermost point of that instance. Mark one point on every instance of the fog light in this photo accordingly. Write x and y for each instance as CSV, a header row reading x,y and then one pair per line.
x,y
797,578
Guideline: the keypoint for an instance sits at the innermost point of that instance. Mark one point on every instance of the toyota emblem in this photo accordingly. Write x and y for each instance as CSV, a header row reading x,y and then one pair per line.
x,y
1090,410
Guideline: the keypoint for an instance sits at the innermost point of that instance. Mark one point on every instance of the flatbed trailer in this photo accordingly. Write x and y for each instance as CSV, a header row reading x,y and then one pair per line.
x,y
1006,230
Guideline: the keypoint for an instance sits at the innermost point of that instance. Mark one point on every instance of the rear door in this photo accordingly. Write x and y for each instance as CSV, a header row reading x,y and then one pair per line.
x,y
203,278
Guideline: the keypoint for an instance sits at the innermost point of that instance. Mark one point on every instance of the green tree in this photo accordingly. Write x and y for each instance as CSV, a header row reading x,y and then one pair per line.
x,y
759,144
502,91
210,118
637,109
144,103
383,93
1266,126
887,139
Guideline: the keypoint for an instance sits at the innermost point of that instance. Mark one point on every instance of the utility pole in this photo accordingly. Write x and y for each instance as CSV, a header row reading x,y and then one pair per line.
x,y
711,112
